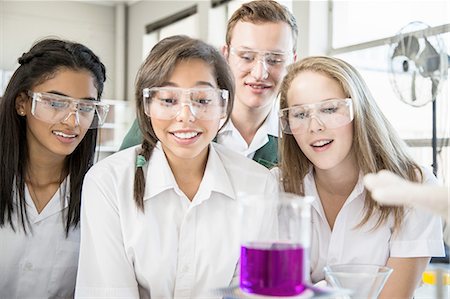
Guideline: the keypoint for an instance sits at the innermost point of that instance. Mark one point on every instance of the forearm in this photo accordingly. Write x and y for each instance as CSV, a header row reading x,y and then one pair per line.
x,y
405,278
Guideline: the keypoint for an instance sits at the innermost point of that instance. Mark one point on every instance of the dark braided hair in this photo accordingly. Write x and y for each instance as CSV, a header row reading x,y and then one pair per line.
x,y
155,70
41,63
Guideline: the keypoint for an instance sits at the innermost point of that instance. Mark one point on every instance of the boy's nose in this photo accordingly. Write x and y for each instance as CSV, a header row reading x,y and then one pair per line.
x,y
259,70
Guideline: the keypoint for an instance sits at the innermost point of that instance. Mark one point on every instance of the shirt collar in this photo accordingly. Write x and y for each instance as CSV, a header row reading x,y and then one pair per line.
x,y
271,123
215,178
269,126
55,205
358,190
310,189
229,127
159,176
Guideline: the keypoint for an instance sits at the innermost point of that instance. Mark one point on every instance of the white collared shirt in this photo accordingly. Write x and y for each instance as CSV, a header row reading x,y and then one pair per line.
x,y
43,263
177,248
420,235
230,137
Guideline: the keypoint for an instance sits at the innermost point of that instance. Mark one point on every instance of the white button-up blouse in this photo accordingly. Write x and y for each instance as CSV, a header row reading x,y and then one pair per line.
x,y
43,263
176,248
419,236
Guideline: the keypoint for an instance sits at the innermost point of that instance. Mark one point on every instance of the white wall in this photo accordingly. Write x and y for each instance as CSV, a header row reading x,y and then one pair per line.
x,y
22,23
97,25
311,15
312,22
141,14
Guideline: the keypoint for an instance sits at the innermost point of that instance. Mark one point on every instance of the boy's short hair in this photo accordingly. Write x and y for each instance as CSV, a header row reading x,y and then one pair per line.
x,y
262,11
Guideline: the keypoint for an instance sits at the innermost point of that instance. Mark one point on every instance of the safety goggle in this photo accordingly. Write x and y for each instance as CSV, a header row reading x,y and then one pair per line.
x,y
52,108
167,102
330,114
248,59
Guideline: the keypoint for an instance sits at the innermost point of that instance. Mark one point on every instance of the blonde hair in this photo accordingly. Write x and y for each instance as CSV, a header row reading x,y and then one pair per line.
x,y
375,143
155,70
263,11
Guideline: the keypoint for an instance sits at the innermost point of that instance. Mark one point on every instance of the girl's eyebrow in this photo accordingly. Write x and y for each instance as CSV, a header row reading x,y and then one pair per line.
x,y
198,83
321,101
65,95
204,83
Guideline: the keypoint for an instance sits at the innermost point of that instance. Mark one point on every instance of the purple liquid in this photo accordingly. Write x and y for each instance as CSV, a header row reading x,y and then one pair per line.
x,y
275,269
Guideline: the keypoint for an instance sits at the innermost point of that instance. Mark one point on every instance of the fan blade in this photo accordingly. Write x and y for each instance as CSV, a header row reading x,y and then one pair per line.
x,y
408,46
428,60
413,87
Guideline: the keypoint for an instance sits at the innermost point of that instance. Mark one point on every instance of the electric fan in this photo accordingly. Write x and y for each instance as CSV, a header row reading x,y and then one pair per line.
x,y
418,65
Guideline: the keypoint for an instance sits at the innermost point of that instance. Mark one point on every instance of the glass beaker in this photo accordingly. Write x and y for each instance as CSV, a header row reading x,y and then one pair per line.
x,y
275,241
364,281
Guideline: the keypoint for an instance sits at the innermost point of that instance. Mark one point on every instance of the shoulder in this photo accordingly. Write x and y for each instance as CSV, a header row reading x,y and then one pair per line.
x,y
244,174
427,176
120,162
276,172
234,161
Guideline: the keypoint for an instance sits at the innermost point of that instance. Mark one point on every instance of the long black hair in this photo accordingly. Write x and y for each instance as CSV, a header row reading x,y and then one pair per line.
x,y
41,63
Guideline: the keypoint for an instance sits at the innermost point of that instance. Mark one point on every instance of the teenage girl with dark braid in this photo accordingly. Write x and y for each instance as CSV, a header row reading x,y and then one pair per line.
x,y
160,220
49,116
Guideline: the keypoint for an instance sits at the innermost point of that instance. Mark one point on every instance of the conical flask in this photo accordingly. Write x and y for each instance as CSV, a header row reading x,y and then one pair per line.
x,y
364,281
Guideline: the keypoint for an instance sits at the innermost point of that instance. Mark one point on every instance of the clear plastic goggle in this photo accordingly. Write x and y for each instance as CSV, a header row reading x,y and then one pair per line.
x,y
247,59
329,114
167,102
52,108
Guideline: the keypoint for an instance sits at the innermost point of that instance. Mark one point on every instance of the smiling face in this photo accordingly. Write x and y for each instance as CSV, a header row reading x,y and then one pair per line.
x,y
257,87
184,137
60,139
326,148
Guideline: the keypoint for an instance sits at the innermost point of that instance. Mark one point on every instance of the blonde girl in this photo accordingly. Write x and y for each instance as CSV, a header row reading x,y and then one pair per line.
x,y
333,134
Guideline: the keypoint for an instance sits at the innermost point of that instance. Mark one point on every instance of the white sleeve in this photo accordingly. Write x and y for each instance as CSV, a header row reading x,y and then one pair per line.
x,y
428,176
421,232
104,270
272,186
276,173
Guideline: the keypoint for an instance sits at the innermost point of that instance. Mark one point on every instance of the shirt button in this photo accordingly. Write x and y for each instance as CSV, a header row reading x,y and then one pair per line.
x,y
185,269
